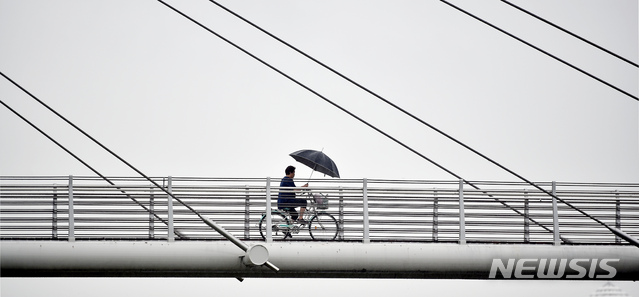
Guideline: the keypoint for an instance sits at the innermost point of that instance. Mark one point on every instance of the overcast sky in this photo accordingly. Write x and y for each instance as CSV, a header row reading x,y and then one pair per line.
x,y
173,99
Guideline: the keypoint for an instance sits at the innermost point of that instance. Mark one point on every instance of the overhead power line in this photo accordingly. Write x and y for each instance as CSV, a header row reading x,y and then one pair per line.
x,y
613,230
570,33
543,51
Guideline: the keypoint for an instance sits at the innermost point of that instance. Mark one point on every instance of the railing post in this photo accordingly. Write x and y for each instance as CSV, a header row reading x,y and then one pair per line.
x,y
462,219
247,214
365,210
526,216
151,212
341,215
617,215
435,216
555,216
269,230
71,215
170,232
54,219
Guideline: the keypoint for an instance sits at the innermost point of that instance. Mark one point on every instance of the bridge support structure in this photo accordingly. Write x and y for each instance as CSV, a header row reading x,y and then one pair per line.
x,y
318,260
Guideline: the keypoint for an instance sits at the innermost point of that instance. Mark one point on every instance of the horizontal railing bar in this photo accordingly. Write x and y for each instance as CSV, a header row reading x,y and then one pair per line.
x,y
397,209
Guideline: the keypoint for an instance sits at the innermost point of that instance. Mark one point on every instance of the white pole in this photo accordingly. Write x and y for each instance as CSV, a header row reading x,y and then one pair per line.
x,y
54,221
435,216
341,214
247,213
617,215
151,212
170,236
269,236
526,216
71,219
555,216
366,226
462,219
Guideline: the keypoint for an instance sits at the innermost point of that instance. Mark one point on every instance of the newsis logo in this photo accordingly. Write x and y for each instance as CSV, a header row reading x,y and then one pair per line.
x,y
553,268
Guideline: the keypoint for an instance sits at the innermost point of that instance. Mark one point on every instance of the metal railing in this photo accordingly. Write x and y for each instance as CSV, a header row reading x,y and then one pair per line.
x,y
367,210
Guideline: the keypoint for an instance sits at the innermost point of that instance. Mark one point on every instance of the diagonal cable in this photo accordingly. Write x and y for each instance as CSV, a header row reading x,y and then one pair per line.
x,y
207,221
353,115
387,102
418,119
570,33
542,51
95,141
87,165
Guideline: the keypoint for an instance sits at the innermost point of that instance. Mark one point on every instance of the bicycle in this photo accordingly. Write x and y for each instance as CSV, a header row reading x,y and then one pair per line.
x,y
321,225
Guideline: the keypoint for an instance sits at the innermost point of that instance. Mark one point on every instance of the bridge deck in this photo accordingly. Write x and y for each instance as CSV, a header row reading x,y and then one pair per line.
x,y
78,226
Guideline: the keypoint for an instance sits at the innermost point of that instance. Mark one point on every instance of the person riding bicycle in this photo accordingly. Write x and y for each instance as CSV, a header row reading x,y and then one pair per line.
x,y
286,198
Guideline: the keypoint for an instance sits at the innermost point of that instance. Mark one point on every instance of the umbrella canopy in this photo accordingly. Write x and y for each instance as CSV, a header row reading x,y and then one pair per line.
x,y
317,161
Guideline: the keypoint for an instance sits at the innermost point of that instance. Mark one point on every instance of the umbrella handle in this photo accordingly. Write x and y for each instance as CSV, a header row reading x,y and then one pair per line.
x,y
309,178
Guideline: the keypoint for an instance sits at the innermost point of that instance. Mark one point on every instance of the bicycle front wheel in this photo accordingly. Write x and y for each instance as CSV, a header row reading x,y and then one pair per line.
x,y
323,226
280,226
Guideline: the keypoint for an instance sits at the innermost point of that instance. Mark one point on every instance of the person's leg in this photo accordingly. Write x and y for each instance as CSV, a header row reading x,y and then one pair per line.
x,y
303,204
293,213
302,209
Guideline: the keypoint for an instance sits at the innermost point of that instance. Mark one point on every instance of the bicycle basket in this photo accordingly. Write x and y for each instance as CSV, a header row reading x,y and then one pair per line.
x,y
321,201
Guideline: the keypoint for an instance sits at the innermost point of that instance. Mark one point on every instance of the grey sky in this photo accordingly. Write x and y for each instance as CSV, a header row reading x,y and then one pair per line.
x,y
173,99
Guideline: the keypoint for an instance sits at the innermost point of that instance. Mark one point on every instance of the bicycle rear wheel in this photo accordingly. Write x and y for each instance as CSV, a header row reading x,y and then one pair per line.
x,y
323,226
280,226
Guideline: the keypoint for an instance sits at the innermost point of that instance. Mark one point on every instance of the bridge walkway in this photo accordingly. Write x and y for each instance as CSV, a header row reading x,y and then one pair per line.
x,y
404,226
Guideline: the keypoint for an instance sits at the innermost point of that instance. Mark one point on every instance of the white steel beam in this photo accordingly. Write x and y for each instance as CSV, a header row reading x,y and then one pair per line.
x,y
317,260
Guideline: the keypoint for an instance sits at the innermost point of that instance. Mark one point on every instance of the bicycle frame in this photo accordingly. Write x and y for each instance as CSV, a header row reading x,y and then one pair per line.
x,y
321,225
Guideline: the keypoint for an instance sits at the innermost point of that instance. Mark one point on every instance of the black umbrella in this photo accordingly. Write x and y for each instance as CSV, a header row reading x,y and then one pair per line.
x,y
317,161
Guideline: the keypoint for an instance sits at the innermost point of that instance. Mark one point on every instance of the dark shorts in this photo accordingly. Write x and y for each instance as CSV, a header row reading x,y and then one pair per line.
x,y
289,206
290,203
291,210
